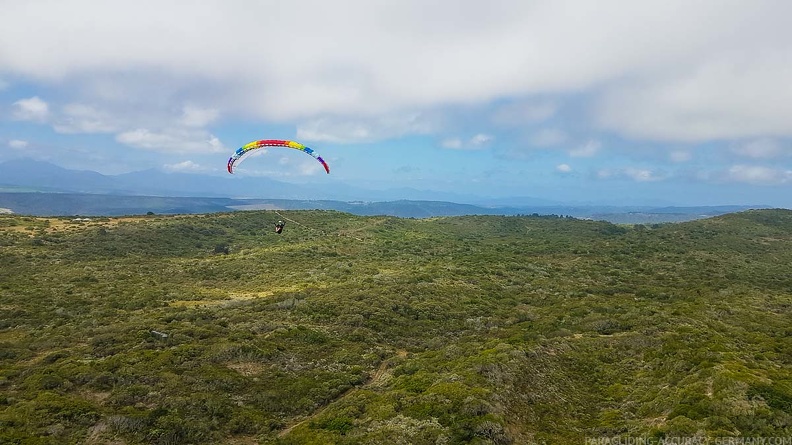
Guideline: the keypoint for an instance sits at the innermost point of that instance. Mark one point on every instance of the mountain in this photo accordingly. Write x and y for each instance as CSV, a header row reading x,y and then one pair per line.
x,y
155,182
50,177
67,204
43,176
71,192
401,208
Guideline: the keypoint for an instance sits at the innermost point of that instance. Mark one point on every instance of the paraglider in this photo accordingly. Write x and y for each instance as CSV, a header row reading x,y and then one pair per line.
x,y
251,147
279,227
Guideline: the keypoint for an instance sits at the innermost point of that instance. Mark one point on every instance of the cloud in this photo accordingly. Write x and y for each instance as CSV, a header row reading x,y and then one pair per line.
x,y
586,150
32,109
643,174
605,173
680,156
665,69
80,118
731,96
476,142
521,113
481,139
198,117
170,133
175,141
18,144
185,167
548,137
631,173
758,175
310,168
322,130
173,133
563,168
452,143
763,148
344,130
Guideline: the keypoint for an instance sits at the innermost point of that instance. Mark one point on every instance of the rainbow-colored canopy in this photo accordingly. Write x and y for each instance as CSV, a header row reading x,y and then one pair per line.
x,y
255,145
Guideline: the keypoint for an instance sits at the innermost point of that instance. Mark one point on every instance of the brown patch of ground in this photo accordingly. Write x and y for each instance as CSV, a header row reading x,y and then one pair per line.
x,y
247,369
232,297
97,435
33,225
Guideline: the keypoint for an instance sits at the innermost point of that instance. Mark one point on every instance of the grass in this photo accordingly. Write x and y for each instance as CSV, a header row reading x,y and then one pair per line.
x,y
348,329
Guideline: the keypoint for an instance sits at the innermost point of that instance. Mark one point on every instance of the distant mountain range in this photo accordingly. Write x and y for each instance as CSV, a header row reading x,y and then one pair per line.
x,y
47,177
84,204
44,189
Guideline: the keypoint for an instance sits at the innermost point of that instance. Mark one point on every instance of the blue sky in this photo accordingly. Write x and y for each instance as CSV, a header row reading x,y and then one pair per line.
x,y
620,102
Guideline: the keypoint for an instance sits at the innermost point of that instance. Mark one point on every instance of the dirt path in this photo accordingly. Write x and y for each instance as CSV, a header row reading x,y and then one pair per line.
x,y
377,377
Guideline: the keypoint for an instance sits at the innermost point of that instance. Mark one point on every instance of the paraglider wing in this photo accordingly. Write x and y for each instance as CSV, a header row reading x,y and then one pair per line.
x,y
251,147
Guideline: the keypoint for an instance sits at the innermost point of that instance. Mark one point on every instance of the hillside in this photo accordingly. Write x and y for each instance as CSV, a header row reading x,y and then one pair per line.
x,y
85,204
371,329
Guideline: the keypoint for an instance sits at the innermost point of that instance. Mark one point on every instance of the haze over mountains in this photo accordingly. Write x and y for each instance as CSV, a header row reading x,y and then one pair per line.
x,y
45,176
41,188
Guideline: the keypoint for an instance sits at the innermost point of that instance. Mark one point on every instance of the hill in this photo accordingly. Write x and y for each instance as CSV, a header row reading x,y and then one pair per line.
x,y
46,177
86,204
374,329
44,189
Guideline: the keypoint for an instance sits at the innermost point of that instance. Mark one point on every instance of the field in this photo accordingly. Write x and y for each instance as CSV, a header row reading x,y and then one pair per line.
x,y
347,329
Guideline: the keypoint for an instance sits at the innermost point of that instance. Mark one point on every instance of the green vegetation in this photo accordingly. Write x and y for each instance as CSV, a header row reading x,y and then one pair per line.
x,y
365,330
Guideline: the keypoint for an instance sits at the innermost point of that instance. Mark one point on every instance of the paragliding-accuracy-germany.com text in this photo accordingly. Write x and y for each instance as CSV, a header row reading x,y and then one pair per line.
x,y
691,440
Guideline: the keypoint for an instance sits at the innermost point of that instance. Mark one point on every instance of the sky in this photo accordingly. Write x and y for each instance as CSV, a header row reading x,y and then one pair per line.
x,y
615,101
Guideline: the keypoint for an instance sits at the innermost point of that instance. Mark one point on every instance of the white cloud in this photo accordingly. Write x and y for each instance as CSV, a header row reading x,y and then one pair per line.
x,y
32,109
176,141
18,144
662,69
340,130
452,143
604,173
642,174
476,142
548,137
198,117
322,130
587,150
80,118
481,139
723,97
764,148
680,156
185,167
632,173
310,168
758,175
563,168
522,113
